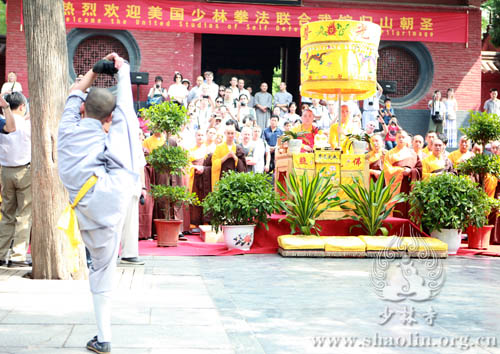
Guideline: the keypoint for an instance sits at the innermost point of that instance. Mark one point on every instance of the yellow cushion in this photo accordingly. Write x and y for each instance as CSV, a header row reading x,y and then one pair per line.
x,y
424,244
301,242
344,244
380,243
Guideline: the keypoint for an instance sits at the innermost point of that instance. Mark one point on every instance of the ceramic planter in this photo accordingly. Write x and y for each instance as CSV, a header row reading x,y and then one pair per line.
x,y
238,236
168,232
479,237
452,237
294,146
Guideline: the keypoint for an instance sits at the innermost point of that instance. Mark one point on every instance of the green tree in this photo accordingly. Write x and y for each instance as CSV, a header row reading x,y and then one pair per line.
x,y
491,8
3,22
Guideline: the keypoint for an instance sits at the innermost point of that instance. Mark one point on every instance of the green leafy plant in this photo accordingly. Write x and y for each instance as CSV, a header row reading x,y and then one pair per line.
x,y
289,135
241,199
305,199
169,159
165,117
373,205
481,164
447,201
357,137
176,196
483,128
169,117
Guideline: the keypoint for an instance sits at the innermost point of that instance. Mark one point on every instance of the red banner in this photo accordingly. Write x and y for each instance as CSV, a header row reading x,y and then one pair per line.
x,y
257,20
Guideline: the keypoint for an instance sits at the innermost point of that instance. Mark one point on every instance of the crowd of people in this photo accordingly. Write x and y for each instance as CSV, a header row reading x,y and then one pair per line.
x,y
232,128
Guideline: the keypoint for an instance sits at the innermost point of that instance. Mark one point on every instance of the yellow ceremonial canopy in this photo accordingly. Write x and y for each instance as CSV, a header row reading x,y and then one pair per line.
x,y
339,57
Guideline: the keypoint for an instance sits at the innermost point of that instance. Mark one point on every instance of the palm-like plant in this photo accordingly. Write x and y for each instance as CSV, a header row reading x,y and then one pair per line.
x,y
371,206
305,200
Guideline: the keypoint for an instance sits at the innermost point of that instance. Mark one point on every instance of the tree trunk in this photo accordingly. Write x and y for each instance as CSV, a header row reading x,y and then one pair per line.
x,y
48,81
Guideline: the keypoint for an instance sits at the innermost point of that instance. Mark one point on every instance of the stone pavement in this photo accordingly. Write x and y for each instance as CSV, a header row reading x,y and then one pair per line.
x,y
252,304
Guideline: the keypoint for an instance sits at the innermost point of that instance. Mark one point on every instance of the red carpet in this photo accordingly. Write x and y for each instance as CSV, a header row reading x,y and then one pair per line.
x,y
267,241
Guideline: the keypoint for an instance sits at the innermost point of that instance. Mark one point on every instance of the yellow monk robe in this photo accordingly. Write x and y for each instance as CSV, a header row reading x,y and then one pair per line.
x,y
195,153
425,151
490,185
457,157
153,142
430,164
333,139
392,157
220,151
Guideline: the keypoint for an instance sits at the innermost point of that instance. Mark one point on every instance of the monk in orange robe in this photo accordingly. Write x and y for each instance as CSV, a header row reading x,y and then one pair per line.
x,y
402,163
376,157
308,129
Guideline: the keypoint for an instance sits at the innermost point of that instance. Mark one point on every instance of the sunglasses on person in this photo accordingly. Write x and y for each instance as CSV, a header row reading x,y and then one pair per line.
x,y
218,101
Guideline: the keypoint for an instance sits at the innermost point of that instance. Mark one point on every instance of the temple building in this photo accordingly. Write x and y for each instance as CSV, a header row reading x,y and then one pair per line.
x,y
426,45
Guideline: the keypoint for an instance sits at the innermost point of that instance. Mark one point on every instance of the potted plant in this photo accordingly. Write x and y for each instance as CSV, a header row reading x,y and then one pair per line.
x,y
445,204
238,202
168,117
305,199
483,129
372,205
292,138
359,142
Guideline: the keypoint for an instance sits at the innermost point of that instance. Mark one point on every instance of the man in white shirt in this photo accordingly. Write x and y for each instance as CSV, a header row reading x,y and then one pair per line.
x,y
15,159
371,107
196,90
493,104
242,90
235,91
213,88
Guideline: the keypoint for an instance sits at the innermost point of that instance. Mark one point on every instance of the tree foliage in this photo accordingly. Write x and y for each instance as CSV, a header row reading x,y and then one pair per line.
x,y
493,8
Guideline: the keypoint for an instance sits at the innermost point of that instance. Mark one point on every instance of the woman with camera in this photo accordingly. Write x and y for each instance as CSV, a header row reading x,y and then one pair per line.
x,y
157,94
177,91
437,112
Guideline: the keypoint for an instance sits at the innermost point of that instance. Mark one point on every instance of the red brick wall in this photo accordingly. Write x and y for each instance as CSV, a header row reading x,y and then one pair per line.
x,y
458,67
162,53
15,58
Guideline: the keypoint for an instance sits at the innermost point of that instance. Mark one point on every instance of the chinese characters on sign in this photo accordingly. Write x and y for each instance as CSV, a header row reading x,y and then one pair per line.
x,y
265,20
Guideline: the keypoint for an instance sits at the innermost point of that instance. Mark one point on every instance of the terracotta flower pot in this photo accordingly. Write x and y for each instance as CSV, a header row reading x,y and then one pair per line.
x,y
479,237
168,232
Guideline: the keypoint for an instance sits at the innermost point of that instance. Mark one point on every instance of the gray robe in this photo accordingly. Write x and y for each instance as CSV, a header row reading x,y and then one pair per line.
x,y
84,149
264,99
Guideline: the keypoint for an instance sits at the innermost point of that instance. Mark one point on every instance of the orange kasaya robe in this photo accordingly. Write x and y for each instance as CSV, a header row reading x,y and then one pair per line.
x,y
457,157
196,157
220,151
376,161
395,161
308,137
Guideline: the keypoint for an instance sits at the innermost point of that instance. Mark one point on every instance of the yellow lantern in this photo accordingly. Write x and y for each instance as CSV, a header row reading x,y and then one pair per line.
x,y
339,57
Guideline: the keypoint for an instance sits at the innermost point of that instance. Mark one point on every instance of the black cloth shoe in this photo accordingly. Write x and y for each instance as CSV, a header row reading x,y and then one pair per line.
x,y
20,264
132,260
99,347
182,237
4,263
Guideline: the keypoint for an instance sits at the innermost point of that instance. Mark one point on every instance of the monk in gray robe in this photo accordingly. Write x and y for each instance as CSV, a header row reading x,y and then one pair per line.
x,y
85,150
263,105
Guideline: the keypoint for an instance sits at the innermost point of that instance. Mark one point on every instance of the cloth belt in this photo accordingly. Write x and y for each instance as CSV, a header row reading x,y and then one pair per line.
x,y
68,222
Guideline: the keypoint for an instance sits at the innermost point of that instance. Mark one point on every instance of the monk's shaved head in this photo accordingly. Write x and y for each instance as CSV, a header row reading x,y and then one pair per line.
x,y
100,103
